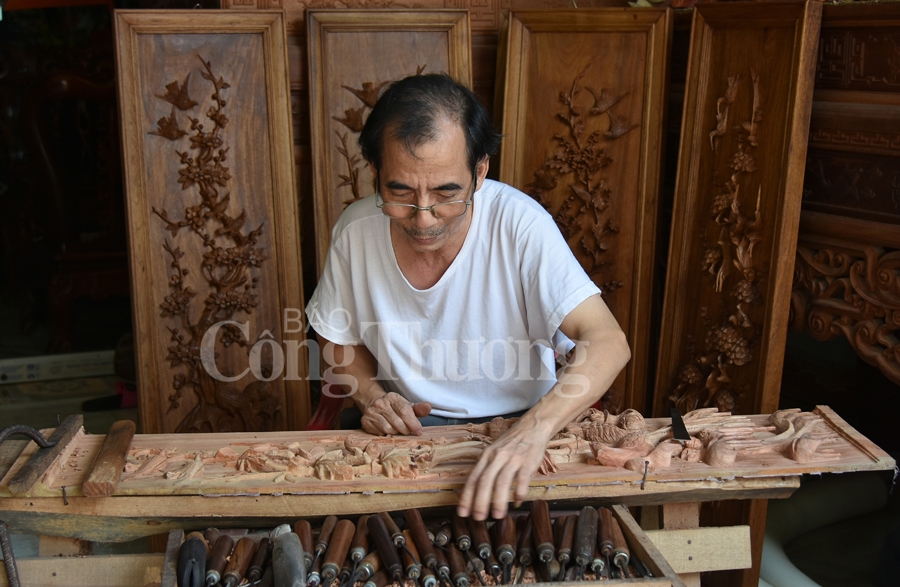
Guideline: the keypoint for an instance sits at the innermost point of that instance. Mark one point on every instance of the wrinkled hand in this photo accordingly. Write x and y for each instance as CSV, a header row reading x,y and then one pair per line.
x,y
394,414
515,456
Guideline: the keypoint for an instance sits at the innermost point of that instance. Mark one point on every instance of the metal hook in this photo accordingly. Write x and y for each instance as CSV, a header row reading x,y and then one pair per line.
x,y
27,431
9,560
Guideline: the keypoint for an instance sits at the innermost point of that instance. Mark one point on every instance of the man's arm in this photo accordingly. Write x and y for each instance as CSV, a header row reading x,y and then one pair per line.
x,y
382,412
517,454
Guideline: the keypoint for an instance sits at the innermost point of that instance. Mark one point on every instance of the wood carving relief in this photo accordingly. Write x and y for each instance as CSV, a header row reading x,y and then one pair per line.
x,y
728,263
233,255
576,169
859,59
852,292
865,186
213,221
583,138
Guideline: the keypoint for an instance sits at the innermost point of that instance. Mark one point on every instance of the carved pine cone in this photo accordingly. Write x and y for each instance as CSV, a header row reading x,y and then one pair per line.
x,y
747,292
721,203
690,374
711,260
728,340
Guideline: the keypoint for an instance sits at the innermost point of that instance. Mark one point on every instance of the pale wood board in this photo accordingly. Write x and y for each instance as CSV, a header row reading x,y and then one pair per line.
x,y
132,570
704,549
642,547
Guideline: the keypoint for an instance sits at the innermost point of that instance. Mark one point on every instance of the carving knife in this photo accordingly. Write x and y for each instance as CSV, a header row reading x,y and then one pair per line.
x,y
679,431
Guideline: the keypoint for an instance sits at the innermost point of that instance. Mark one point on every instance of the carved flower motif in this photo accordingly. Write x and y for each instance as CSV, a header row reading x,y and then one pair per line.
x,y
195,215
353,118
711,260
721,203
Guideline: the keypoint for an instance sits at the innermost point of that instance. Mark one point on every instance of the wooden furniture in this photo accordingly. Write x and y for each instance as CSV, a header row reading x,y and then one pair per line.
x,y
213,221
582,95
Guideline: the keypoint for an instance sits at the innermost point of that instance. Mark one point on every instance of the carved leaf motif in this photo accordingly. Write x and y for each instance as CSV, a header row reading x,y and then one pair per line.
x,y
352,119
168,127
178,95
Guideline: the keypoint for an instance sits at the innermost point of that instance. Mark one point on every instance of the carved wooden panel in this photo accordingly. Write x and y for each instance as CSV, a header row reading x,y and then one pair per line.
x,y
348,70
583,105
212,220
847,283
737,204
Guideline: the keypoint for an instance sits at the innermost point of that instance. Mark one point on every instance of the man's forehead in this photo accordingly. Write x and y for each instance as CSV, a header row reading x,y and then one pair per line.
x,y
442,129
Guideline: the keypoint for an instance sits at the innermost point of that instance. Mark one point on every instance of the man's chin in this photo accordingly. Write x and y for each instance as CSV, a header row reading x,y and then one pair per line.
x,y
423,244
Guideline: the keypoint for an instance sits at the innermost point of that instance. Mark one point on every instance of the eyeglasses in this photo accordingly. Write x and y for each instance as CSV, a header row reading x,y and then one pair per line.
x,y
444,210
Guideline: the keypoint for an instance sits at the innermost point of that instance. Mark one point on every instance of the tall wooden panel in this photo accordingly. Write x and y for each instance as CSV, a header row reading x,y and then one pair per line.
x,y
737,205
212,219
583,119
348,68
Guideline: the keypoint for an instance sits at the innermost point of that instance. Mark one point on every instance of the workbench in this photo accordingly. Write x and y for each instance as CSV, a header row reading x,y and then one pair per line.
x,y
200,484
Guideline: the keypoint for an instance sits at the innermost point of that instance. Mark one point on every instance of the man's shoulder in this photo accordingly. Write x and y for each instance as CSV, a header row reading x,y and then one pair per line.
x,y
356,216
509,203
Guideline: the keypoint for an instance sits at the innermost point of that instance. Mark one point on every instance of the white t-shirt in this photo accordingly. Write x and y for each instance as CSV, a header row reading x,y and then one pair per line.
x,y
480,341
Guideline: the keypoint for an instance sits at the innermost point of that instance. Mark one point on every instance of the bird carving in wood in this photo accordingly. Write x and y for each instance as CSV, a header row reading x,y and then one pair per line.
x,y
178,95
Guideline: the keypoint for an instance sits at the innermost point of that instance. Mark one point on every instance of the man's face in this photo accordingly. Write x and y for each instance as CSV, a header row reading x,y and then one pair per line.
x,y
437,172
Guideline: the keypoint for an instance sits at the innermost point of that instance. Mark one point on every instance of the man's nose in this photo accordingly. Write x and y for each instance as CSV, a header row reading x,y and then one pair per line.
x,y
424,218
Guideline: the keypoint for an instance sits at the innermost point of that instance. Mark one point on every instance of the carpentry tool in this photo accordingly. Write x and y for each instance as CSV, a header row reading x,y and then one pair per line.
x,y
444,535
605,535
359,546
49,449
255,571
239,561
458,567
337,551
411,558
505,545
328,525
481,542
368,566
303,529
191,566
679,430
379,579
216,563
420,537
543,534
620,553
210,535
110,462
524,547
202,538
598,561
393,529
585,538
288,563
428,578
461,534
268,578
378,533
564,534
9,559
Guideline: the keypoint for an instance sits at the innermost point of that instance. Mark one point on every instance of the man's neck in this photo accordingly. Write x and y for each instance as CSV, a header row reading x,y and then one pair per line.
x,y
424,269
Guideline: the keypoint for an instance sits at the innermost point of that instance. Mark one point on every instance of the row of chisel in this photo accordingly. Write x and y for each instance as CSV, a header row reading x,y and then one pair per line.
x,y
375,552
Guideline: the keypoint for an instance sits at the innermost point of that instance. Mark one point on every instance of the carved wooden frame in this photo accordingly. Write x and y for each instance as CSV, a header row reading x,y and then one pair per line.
x,y
608,213
212,218
746,115
345,85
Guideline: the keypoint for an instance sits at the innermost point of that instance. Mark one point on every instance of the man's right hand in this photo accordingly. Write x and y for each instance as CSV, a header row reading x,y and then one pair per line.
x,y
394,414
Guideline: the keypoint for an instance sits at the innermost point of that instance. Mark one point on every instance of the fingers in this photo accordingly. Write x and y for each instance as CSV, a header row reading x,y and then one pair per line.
x,y
422,409
392,414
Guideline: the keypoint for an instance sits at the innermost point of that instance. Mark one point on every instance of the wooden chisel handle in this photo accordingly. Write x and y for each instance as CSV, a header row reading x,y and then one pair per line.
x,y
378,533
565,537
258,564
420,537
481,541
428,578
359,546
585,536
542,530
621,554
216,563
393,529
605,535
443,566
458,567
325,534
211,535
524,547
444,535
337,550
239,561
461,532
505,540
303,529
379,579
368,566
411,560
191,569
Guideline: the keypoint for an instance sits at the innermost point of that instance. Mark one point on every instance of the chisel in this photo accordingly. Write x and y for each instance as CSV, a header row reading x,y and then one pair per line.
x,y
321,546
444,535
524,547
481,543
258,565
585,538
462,536
239,562
428,578
564,533
379,579
378,533
419,532
443,567
303,529
338,546
191,569
605,536
368,566
620,552
218,558
457,567
393,529
411,561
505,545
542,532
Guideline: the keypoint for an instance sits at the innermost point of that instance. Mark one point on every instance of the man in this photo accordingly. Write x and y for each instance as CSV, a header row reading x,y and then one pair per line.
x,y
447,294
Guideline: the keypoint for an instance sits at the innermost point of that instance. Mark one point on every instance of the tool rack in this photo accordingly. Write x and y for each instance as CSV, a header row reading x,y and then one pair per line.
x,y
52,500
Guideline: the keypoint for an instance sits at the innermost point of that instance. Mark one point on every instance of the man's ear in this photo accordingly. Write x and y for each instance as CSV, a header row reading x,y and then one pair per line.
x,y
481,170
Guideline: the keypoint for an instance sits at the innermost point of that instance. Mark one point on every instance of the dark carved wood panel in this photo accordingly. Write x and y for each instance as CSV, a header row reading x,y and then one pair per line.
x,y
847,271
212,220
744,131
583,136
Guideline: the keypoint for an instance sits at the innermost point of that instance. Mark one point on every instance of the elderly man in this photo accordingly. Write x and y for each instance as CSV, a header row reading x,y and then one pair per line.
x,y
446,296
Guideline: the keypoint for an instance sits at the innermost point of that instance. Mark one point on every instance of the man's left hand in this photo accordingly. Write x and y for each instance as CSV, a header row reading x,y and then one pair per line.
x,y
514,457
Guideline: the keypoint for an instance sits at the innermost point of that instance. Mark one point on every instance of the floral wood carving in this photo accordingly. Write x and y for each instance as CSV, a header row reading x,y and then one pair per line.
x,y
231,257
577,168
354,119
854,294
704,380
